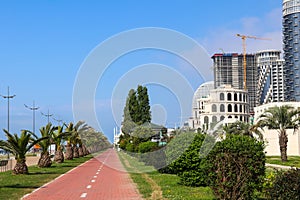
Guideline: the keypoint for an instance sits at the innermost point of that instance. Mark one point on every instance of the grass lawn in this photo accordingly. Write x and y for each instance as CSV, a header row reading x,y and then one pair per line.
x,y
169,184
15,186
293,161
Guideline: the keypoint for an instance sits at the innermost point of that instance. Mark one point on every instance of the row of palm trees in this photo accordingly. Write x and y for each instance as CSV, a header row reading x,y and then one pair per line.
x,y
275,118
79,140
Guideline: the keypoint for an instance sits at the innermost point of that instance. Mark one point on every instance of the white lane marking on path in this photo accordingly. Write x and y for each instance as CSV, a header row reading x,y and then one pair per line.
x,y
89,187
98,170
95,176
43,186
93,181
97,173
83,195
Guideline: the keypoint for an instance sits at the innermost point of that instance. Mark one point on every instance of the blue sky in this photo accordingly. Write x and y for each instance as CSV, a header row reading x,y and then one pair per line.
x,y
43,44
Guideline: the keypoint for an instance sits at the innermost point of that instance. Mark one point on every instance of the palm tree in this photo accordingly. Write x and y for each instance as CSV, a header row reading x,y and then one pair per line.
x,y
69,149
57,138
74,139
243,128
280,119
45,159
19,146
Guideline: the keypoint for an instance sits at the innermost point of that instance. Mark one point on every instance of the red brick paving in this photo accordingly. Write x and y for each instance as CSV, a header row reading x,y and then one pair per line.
x,y
101,178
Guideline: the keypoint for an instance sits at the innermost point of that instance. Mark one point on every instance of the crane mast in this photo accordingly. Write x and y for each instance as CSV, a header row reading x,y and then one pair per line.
x,y
244,37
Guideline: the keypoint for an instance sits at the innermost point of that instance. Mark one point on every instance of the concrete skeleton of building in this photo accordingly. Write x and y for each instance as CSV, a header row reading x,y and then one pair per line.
x,y
228,70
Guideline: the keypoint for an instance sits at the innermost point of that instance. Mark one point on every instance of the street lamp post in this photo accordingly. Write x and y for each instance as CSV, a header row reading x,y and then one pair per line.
x,y
47,115
58,120
33,108
8,97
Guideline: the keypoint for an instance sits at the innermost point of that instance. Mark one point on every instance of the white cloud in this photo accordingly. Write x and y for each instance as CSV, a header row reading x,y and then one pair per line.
x,y
270,26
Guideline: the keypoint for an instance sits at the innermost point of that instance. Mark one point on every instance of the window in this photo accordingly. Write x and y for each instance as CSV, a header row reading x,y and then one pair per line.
x,y
229,108
241,108
235,108
229,97
214,108
222,96
222,118
214,119
222,108
206,120
235,97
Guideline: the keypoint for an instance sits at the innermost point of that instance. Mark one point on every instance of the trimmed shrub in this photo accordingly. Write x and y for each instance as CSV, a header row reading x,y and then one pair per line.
x,y
129,147
147,146
157,158
190,165
236,167
286,185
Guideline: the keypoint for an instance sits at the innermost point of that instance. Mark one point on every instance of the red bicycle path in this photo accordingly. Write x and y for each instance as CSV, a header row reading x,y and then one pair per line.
x,y
102,177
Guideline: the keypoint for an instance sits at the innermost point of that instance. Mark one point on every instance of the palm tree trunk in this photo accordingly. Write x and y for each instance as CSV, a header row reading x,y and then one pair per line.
x,y
20,167
80,151
75,152
85,150
69,152
59,156
45,160
283,140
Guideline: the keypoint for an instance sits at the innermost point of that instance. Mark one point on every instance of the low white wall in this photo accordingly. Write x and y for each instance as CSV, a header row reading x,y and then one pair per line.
x,y
272,143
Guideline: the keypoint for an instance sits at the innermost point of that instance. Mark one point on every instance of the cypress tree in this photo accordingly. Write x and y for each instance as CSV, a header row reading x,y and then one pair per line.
x,y
144,106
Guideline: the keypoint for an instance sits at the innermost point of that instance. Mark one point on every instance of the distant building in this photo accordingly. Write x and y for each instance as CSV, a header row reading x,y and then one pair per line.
x,y
228,70
225,104
291,47
270,85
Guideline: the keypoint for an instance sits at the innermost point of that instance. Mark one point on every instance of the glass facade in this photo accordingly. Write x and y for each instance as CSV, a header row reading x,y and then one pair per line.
x,y
291,19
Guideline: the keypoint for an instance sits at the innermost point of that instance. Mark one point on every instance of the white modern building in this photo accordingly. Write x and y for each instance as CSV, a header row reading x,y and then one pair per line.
x,y
271,136
225,104
270,86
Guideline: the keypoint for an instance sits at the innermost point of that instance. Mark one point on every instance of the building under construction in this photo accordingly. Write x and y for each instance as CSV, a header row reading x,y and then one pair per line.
x,y
229,70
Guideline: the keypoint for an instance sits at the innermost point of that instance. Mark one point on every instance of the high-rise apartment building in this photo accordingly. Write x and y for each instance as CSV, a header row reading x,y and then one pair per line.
x,y
228,70
270,86
291,47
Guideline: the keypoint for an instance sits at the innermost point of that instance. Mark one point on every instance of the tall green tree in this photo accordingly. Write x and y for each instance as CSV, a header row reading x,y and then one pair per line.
x,y
280,119
134,107
137,109
19,146
144,114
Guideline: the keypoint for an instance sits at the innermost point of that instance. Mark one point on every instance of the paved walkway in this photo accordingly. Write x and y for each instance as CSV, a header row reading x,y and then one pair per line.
x,y
279,166
100,178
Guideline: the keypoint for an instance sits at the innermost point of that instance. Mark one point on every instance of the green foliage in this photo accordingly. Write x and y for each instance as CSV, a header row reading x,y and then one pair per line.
x,y
236,167
147,146
243,128
46,131
186,155
175,150
19,145
136,110
280,119
130,147
286,185
157,158
144,114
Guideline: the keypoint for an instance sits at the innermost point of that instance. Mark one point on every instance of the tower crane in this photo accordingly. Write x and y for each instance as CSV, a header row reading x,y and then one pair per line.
x,y
244,37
